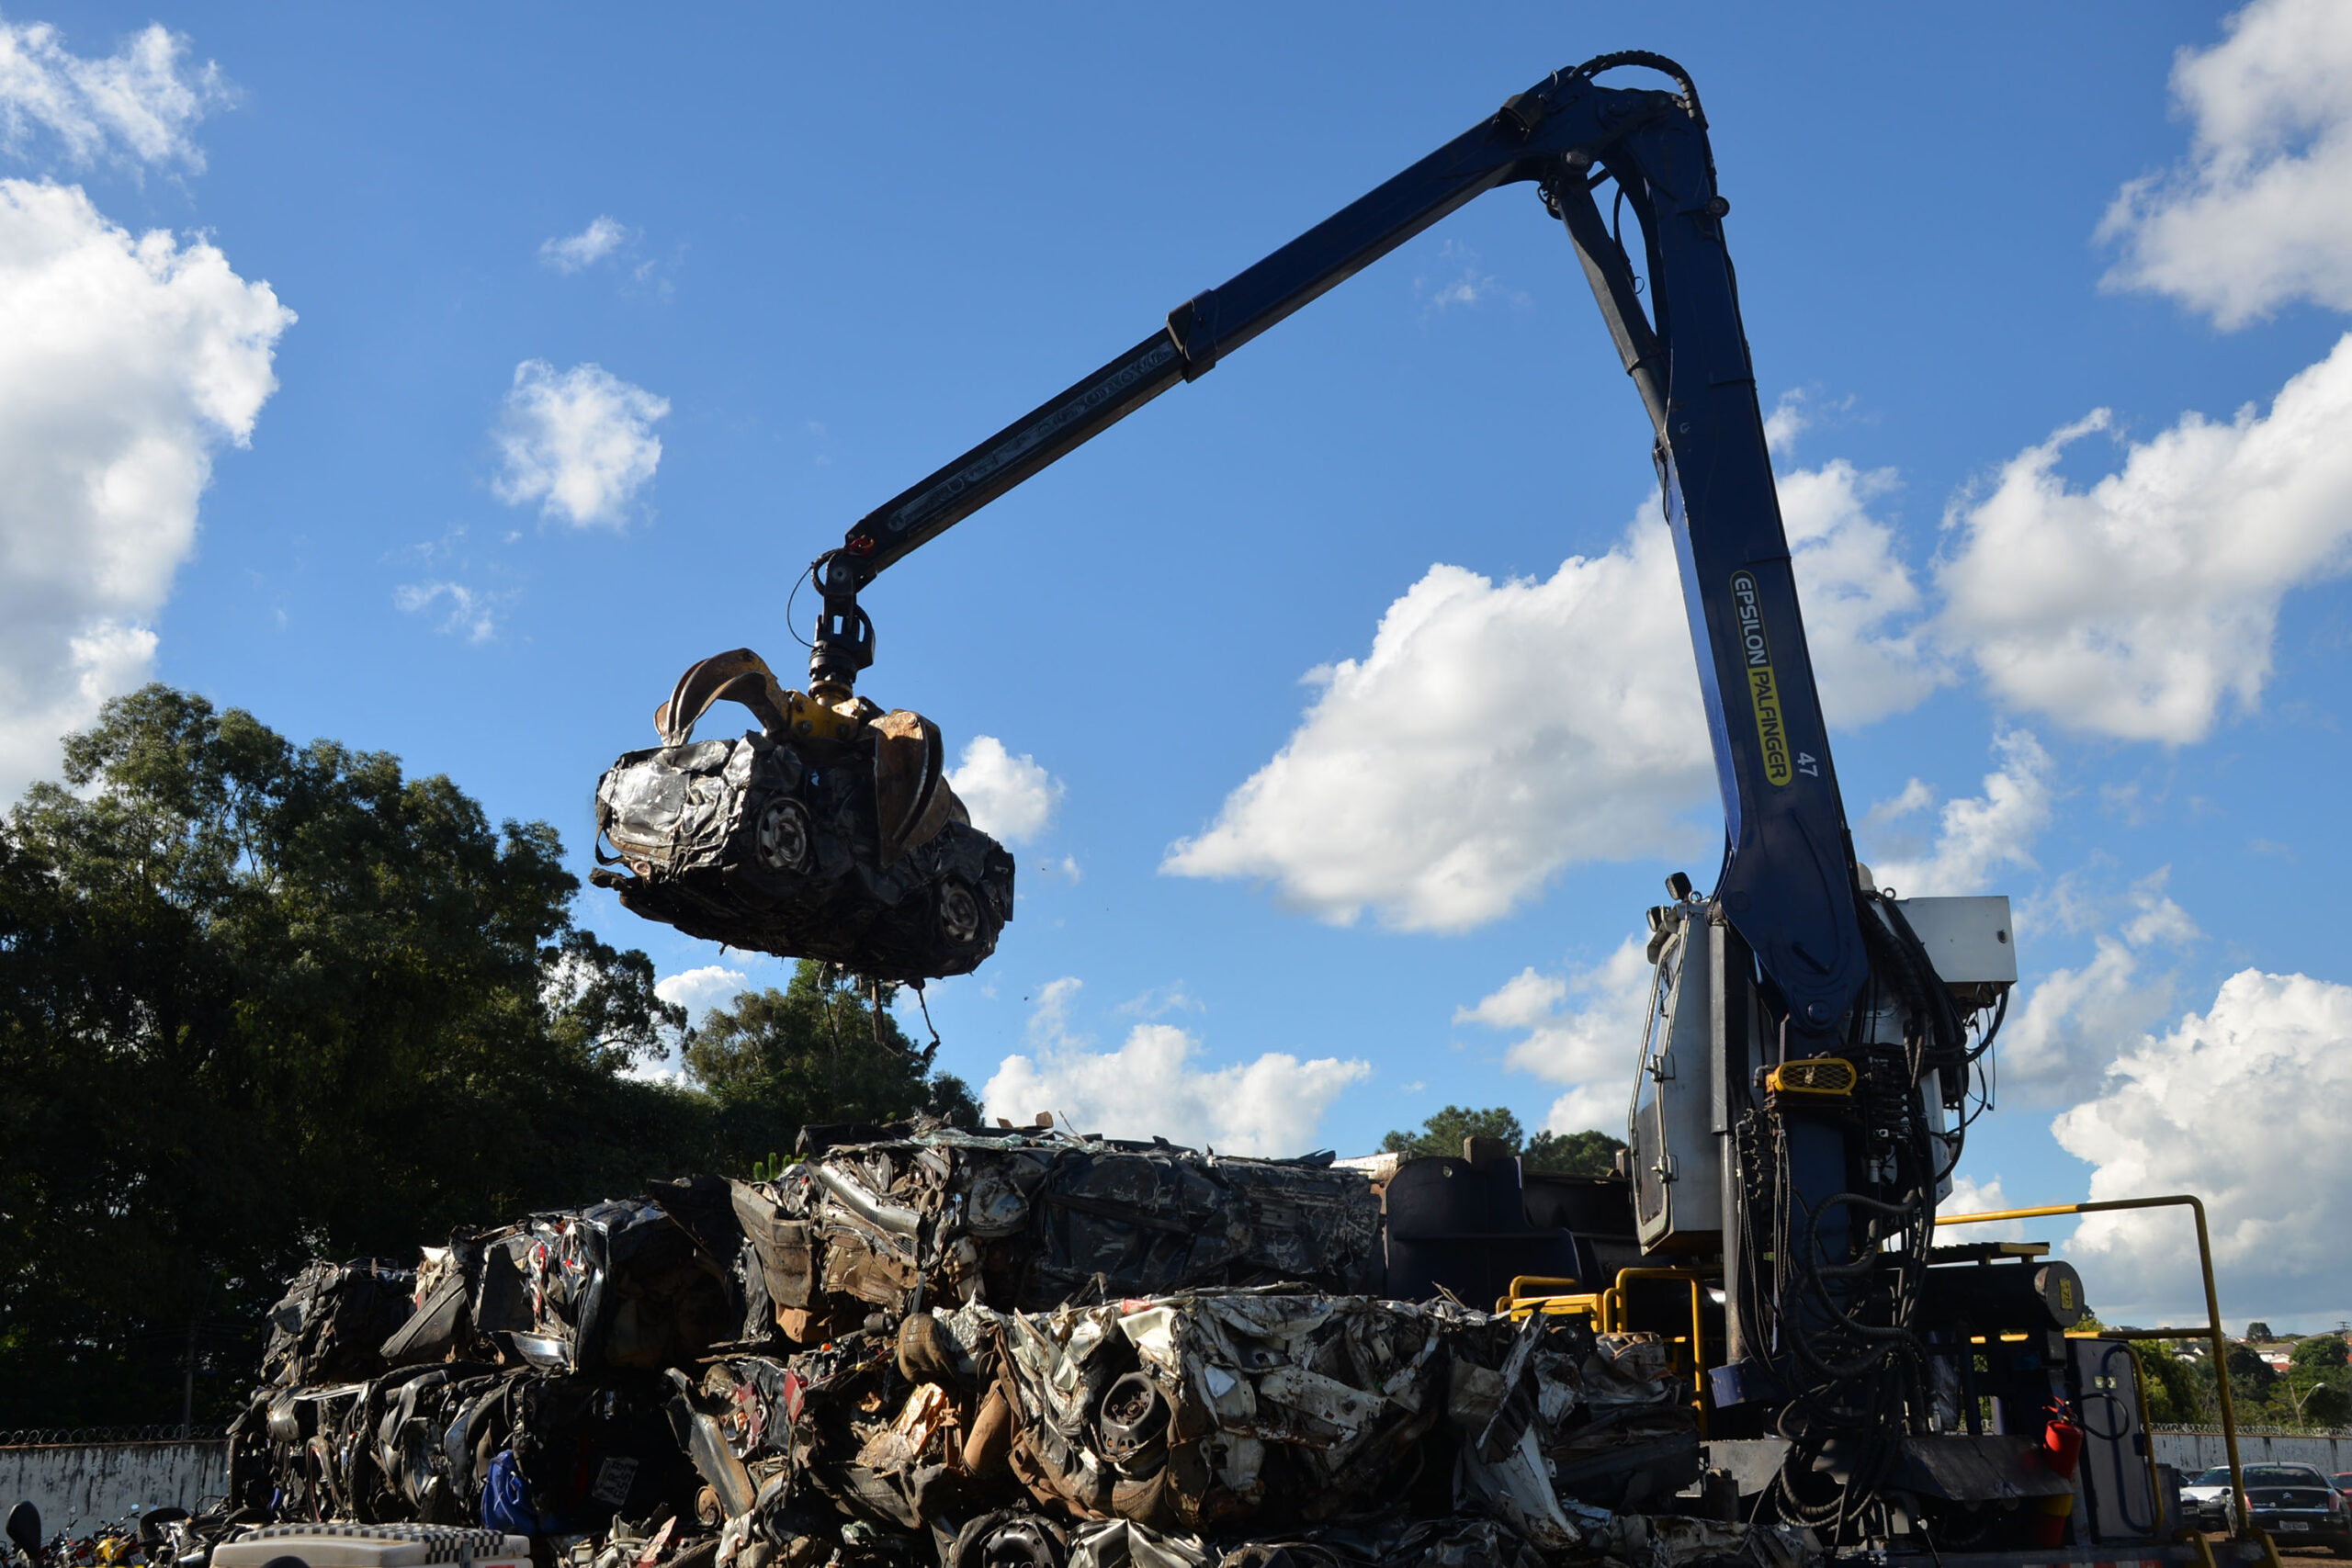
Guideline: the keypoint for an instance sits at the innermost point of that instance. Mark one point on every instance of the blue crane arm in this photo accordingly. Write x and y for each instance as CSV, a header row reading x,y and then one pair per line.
x,y
1787,882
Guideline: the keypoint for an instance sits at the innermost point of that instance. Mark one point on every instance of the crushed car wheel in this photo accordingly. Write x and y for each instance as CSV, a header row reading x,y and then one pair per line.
x,y
782,838
960,913
1012,1537
1134,1416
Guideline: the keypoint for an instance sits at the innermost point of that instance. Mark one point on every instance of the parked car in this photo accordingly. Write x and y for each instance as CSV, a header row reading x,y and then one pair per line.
x,y
2299,1505
2206,1500
2344,1483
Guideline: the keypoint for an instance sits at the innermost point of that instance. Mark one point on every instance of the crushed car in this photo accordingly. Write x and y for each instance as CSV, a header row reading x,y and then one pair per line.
x,y
1018,1349
1031,1220
830,832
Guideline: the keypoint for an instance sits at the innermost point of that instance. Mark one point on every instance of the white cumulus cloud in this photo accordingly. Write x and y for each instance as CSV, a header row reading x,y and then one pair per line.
x,y
1583,1030
126,361
1154,1085
1495,732
1857,595
1522,1001
2073,1021
1010,797
579,442
140,103
1797,410
1464,282
1498,733
699,990
2137,607
2255,216
1790,418
569,252
1976,836
2242,1105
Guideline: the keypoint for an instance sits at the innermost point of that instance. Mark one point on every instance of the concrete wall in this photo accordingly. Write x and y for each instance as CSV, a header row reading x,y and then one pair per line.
x,y
2191,1451
79,1486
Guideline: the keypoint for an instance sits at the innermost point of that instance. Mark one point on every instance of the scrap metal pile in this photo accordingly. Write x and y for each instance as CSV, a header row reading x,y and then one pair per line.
x,y
978,1351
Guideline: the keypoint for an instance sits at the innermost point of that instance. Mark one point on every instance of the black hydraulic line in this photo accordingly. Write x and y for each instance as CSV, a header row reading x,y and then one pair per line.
x,y
1952,1036
1611,277
2000,1015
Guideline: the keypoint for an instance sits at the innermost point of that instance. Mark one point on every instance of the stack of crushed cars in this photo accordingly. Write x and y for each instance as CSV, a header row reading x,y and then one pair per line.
x,y
1027,1351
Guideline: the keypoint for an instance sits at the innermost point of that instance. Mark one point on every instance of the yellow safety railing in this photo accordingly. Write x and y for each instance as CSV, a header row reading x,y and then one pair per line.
x,y
1558,1297
2211,1333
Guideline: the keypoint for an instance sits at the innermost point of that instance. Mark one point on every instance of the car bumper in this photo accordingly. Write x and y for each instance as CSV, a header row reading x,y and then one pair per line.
x,y
2213,1515
2305,1529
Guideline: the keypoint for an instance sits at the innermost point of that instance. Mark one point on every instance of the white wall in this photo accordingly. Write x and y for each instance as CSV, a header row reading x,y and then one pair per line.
x,y
2191,1451
79,1486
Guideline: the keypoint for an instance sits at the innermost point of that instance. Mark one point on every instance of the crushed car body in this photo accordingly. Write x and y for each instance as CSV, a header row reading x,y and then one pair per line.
x,y
977,1350
831,833
1024,1220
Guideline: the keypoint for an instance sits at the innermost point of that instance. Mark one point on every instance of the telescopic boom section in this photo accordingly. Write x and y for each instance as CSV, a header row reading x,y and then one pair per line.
x,y
1787,881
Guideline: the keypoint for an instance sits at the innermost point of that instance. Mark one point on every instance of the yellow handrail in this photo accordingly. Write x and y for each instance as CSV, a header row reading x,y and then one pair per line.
x,y
1535,1293
1698,1327
2210,1333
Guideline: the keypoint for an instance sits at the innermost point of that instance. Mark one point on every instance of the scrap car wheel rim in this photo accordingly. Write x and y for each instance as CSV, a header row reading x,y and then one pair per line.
x,y
1134,1416
783,836
1019,1543
960,913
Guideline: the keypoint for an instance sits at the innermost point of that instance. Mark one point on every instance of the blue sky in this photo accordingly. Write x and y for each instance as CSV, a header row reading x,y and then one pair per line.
x,y
446,383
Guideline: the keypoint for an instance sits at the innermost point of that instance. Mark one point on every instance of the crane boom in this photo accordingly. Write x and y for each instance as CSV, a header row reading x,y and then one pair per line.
x,y
1812,1038
1787,881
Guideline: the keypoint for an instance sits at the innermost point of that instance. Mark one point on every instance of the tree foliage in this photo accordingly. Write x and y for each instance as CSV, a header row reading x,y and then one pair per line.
x,y
1562,1153
261,1002
1572,1154
2313,1394
815,1052
2250,1371
1444,1132
2319,1353
2329,1405
2176,1392
2316,1389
